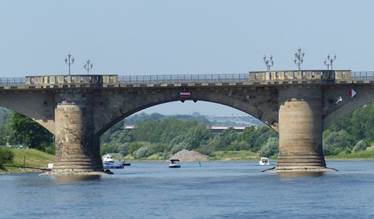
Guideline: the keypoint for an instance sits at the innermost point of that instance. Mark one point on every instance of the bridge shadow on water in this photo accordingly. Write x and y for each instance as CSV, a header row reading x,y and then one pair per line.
x,y
82,178
76,178
290,175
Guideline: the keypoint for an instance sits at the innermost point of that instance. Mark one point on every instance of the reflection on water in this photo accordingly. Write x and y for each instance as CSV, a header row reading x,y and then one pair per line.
x,y
214,190
75,178
296,174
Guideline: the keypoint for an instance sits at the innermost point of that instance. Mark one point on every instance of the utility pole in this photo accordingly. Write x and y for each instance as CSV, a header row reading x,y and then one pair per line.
x,y
329,62
69,60
269,62
88,66
299,58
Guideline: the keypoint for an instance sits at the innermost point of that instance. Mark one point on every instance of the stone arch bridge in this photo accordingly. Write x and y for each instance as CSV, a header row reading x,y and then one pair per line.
x,y
77,109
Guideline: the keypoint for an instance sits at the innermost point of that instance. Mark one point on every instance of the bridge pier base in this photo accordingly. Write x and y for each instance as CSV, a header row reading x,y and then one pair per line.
x,y
300,130
77,148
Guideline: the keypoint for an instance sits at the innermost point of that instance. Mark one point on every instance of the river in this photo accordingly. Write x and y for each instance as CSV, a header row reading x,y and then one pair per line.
x,y
214,190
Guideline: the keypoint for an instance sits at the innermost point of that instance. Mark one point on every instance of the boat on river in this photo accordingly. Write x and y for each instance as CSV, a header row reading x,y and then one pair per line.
x,y
264,161
110,163
174,163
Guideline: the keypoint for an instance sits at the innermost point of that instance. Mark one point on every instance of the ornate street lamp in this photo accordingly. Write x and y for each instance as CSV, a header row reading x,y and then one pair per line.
x,y
299,58
269,62
88,66
69,60
329,62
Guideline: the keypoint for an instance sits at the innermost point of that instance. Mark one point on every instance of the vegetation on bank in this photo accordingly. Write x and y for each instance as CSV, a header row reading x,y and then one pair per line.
x,y
161,138
25,157
6,157
365,154
21,131
352,135
32,145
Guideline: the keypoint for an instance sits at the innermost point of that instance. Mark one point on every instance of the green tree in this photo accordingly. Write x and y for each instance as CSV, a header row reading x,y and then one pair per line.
x,y
337,141
270,148
29,133
6,156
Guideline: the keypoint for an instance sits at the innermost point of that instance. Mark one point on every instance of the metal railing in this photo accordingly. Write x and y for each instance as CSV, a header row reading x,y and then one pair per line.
x,y
12,81
179,78
363,75
183,78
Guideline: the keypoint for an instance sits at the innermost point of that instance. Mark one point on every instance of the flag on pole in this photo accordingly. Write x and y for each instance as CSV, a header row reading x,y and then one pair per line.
x,y
351,93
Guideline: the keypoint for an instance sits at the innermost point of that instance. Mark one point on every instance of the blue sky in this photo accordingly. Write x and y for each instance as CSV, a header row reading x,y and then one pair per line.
x,y
173,36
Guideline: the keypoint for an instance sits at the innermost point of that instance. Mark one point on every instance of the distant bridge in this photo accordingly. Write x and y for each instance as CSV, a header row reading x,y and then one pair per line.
x,y
213,128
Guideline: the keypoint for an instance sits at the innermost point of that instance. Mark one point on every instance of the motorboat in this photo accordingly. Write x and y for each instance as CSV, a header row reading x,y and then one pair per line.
x,y
264,161
174,163
110,163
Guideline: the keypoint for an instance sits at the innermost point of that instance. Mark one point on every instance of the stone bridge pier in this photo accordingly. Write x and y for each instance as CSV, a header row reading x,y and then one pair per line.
x,y
300,129
77,148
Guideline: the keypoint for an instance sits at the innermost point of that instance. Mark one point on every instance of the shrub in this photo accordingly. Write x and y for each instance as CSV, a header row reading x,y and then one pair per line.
x,y
270,148
360,145
6,155
337,141
141,152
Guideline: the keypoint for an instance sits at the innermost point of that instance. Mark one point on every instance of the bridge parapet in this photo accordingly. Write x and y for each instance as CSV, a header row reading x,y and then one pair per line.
x,y
303,75
70,80
183,78
253,77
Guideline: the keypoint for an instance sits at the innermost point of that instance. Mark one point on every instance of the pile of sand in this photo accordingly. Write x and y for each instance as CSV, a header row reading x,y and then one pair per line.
x,y
189,156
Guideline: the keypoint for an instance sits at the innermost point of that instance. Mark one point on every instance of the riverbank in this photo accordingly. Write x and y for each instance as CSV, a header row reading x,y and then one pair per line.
x,y
38,159
31,158
359,155
249,155
216,156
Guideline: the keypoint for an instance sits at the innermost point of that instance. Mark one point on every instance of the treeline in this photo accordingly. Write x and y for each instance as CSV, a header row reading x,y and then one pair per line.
x,y
351,134
20,131
162,137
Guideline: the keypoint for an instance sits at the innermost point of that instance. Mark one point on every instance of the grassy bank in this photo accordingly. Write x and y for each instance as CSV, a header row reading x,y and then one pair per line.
x,y
217,155
234,155
366,154
29,158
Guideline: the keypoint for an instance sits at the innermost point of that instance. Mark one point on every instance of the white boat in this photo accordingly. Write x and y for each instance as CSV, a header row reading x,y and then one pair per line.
x,y
174,163
109,163
107,158
264,161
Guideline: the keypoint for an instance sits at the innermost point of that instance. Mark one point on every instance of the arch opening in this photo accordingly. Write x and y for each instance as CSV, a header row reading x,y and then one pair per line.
x,y
155,131
18,131
350,135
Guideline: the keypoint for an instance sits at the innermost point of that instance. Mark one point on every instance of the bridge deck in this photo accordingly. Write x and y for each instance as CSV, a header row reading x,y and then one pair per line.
x,y
252,78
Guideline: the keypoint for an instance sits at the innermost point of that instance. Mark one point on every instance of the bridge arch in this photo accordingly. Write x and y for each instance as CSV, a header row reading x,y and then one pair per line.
x,y
264,109
35,105
348,105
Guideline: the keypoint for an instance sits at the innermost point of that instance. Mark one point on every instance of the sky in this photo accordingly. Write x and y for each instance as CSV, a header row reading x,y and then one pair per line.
x,y
182,37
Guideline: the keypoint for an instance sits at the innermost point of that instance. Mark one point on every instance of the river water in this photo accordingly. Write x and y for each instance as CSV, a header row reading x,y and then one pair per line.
x,y
214,190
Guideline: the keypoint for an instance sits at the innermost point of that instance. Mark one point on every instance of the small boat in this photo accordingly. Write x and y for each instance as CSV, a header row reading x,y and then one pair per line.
x,y
264,161
174,163
109,163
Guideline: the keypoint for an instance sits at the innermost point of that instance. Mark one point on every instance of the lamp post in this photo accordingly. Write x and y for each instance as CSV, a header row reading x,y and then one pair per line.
x,y
329,62
88,66
299,58
269,62
69,60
